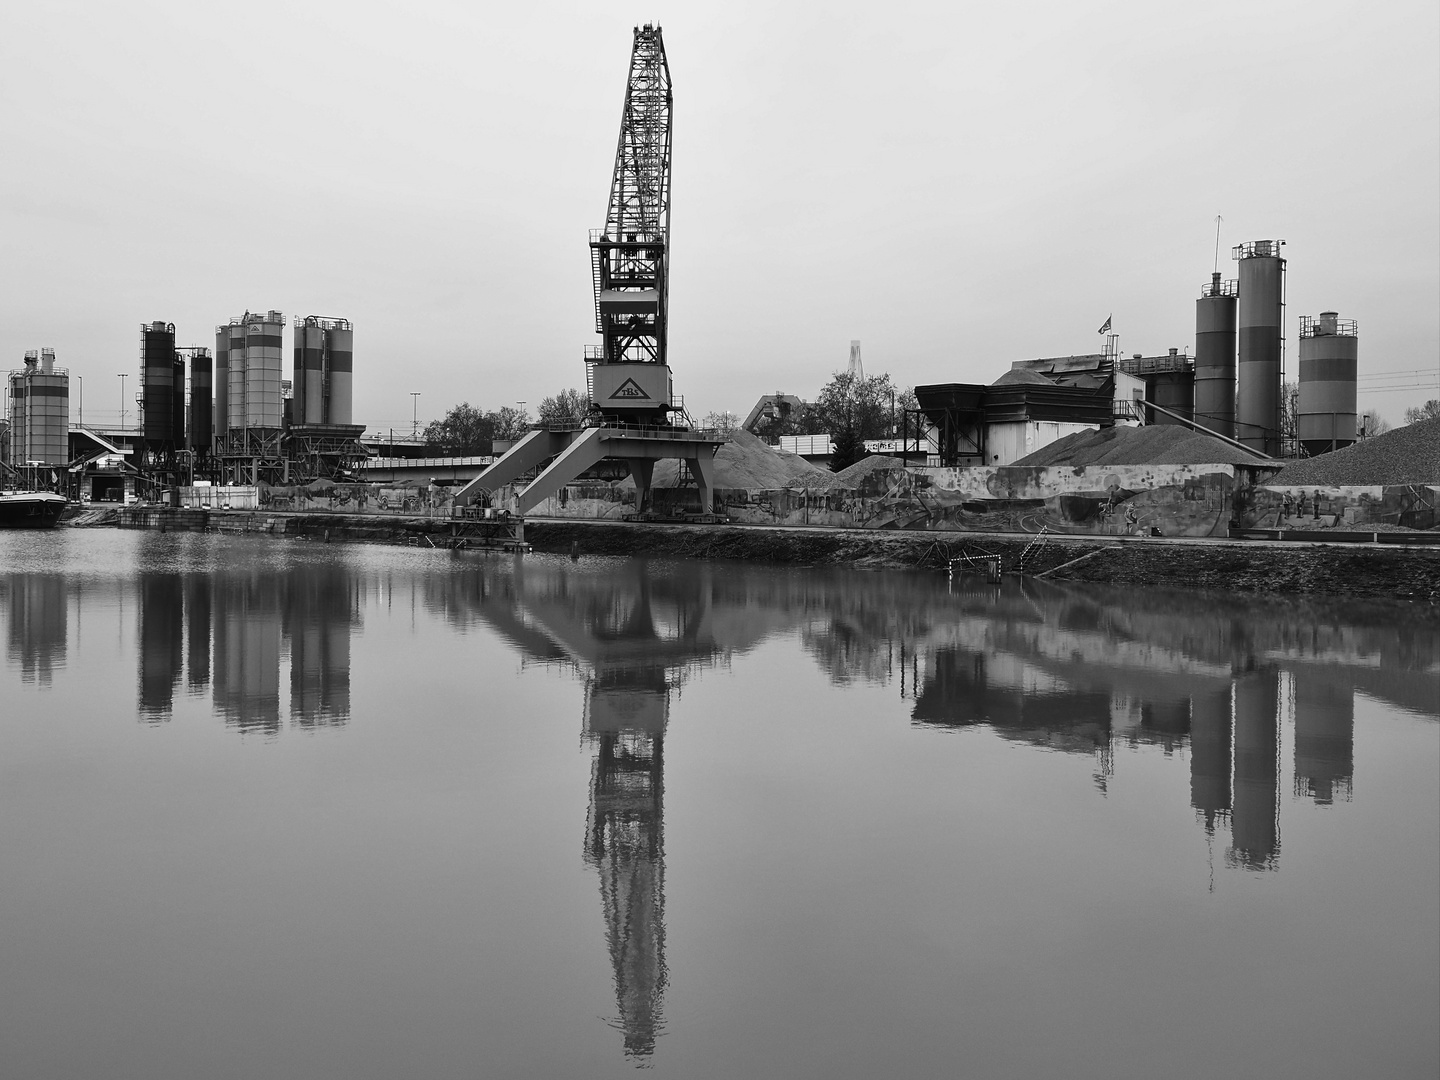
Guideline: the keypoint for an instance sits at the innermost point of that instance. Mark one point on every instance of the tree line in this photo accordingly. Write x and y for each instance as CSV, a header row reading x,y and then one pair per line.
x,y
850,410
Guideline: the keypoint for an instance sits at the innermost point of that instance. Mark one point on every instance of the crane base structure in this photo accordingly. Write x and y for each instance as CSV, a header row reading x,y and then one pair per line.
x,y
547,459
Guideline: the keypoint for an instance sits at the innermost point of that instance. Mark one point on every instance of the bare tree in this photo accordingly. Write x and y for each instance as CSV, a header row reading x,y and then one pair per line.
x,y
723,423
1429,411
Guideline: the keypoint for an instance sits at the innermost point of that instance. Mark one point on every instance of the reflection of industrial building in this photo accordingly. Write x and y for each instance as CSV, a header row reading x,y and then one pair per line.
x,y
1255,822
246,687
248,618
162,618
1324,739
1210,739
320,611
37,625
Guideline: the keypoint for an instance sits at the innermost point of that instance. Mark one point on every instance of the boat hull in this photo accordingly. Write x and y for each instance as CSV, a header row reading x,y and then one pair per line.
x,y
27,511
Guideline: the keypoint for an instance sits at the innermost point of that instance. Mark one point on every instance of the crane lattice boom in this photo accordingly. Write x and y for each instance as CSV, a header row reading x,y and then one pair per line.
x,y
628,257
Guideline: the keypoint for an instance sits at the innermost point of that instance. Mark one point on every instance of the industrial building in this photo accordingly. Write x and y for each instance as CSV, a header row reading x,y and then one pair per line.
x,y
37,404
264,436
1233,388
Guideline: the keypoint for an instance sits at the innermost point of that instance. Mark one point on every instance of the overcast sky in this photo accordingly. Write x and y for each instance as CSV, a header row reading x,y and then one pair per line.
x,y
956,185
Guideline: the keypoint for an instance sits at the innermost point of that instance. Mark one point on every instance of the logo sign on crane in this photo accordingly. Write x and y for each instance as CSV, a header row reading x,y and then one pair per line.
x,y
630,389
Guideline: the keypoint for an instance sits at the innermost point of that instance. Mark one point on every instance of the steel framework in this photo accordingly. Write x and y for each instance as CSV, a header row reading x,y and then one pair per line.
x,y
629,256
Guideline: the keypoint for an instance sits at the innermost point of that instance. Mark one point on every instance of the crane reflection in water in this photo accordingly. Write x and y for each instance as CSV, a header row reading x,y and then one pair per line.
x,y
635,632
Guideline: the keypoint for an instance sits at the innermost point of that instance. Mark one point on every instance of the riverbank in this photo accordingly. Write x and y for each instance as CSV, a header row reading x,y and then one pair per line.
x,y
1246,566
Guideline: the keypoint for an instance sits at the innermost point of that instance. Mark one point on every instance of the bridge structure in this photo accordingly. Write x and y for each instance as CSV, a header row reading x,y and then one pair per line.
x,y
634,417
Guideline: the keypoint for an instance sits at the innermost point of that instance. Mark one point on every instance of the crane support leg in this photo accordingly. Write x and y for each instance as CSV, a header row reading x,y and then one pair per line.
x,y
525,455
642,471
703,466
586,449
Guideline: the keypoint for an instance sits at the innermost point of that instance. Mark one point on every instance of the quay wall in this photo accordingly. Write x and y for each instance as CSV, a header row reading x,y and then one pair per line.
x,y
1395,571
1176,500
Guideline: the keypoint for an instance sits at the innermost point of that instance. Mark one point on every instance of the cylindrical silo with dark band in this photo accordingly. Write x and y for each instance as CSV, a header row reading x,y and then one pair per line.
x,y
1173,391
313,336
202,429
221,382
264,366
1215,357
1260,337
340,345
177,402
157,382
1329,359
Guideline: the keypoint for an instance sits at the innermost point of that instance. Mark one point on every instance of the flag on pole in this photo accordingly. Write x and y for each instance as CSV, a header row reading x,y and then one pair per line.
x,y
1106,328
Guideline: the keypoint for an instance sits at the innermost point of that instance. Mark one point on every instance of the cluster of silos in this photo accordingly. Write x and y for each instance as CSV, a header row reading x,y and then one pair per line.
x,y
1245,399
248,369
1329,361
323,379
38,402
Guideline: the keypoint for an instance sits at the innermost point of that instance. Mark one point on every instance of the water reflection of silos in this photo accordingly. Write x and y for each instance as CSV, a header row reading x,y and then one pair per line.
x,y
1215,357
38,625
162,617
247,653
625,719
197,626
319,614
1255,826
1324,739
1261,337
1210,755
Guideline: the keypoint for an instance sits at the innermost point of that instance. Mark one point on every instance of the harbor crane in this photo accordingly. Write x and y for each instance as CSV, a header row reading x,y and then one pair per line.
x,y
633,415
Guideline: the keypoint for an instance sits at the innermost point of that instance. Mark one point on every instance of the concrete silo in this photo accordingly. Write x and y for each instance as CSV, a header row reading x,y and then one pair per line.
x,y
264,367
39,411
1215,356
157,385
1261,339
1329,359
309,371
202,426
220,382
339,363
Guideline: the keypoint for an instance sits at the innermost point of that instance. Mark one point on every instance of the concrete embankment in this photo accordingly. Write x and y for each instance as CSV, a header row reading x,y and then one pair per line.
x,y
1287,567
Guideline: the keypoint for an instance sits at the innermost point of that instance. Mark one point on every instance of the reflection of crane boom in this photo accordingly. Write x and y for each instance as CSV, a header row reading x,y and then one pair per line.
x,y
628,257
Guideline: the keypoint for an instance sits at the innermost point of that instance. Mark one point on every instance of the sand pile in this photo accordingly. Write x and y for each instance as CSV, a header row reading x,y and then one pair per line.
x,y
1406,455
746,461
1155,444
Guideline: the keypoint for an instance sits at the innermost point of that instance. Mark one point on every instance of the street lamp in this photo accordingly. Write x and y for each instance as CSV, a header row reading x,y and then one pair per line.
x,y
414,414
81,380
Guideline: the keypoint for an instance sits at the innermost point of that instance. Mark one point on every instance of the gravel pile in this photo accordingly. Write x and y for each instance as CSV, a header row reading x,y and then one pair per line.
x,y
1155,444
850,477
1406,455
746,461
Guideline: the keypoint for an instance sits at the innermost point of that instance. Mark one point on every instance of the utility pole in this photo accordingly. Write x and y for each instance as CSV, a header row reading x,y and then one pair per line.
x,y
122,400
414,414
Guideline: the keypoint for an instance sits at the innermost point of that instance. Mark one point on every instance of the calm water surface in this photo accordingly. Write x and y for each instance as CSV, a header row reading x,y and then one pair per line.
x,y
272,809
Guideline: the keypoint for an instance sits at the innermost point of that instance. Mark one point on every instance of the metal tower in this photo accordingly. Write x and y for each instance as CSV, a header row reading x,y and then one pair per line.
x,y
857,368
629,257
